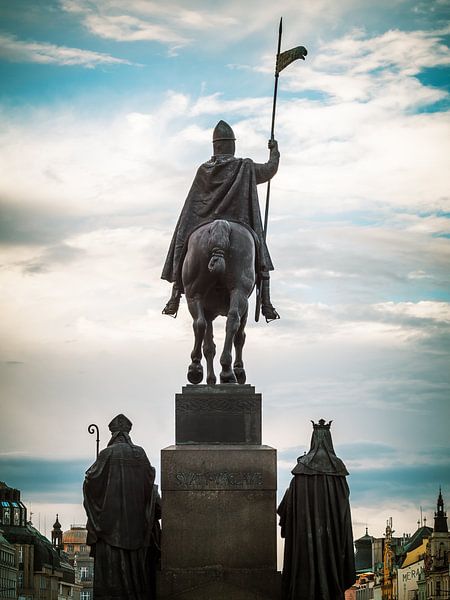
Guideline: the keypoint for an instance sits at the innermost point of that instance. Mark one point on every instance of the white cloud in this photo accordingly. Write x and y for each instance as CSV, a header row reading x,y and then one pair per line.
x,y
360,68
175,24
126,28
137,20
406,51
433,311
93,167
40,52
214,104
384,324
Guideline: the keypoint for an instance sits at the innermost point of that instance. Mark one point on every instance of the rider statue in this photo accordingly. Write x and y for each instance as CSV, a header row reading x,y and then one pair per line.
x,y
224,188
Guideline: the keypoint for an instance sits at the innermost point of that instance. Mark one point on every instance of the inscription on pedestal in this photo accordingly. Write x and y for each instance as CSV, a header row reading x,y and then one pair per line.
x,y
228,468
219,414
214,405
222,479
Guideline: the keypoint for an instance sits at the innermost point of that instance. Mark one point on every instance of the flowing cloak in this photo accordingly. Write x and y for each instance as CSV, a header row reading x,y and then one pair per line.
x,y
122,505
315,521
223,188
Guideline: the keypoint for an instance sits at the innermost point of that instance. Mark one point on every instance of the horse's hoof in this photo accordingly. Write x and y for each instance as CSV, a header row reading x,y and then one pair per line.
x,y
240,374
228,377
195,373
211,380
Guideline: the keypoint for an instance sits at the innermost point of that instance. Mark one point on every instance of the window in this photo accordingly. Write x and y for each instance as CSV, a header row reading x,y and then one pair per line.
x,y
20,579
20,554
85,596
23,514
6,514
83,572
16,513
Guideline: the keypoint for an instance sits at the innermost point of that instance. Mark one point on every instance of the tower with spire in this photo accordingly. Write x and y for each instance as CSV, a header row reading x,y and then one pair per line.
x,y
363,555
438,551
440,516
57,536
388,563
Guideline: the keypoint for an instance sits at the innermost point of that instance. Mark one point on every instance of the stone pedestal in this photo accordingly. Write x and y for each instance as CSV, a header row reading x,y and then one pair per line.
x,y
218,414
219,499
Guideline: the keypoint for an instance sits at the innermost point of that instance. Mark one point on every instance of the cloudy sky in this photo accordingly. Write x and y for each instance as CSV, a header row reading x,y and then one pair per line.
x,y
107,108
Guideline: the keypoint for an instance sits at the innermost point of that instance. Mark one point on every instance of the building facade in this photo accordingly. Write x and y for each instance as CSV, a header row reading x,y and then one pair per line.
x,y
437,575
74,544
8,569
413,567
410,572
42,572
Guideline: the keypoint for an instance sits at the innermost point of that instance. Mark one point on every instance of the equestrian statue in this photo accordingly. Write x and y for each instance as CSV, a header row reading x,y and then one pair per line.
x,y
218,254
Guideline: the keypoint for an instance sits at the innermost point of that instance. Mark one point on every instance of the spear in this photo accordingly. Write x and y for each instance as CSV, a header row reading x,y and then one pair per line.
x,y
282,61
272,129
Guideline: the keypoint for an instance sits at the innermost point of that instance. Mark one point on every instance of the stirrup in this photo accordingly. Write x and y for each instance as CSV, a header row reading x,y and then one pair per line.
x,y
171,308
269,312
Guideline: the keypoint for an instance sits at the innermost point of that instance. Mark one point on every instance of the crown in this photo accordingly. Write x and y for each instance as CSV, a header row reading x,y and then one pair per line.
x,y
321,424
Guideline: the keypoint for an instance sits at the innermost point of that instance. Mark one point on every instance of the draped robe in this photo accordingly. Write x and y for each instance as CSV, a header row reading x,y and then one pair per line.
x,y
223,188
315,521
122,505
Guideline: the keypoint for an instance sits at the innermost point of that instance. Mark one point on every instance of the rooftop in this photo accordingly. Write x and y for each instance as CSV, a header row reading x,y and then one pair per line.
x,y
415,555
75,535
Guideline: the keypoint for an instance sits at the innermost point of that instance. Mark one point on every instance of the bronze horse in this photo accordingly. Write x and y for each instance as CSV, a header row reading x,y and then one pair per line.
x,y
218,277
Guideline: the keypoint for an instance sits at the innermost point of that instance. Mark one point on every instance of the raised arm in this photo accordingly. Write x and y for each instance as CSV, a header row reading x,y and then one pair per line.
x,y
266,171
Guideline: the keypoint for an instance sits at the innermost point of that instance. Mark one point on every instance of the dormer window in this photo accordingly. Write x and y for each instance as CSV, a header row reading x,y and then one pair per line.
x,y
6,513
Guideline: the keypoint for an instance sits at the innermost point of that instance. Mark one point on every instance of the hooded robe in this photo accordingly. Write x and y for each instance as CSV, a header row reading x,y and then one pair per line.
x,y
223,188
315,521
122,505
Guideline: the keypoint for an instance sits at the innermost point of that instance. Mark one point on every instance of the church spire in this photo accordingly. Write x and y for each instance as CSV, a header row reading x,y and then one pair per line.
x,y
57,534
440,516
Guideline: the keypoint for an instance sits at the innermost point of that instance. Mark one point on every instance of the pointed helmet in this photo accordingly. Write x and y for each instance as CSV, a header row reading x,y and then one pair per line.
x,y
223,131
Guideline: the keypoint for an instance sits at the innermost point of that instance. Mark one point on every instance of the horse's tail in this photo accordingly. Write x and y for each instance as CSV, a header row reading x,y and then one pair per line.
x,y
219,242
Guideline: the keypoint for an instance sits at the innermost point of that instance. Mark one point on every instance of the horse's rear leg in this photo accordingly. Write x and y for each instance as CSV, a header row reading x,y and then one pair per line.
x,y
238,308
239,341
209,352
195,370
